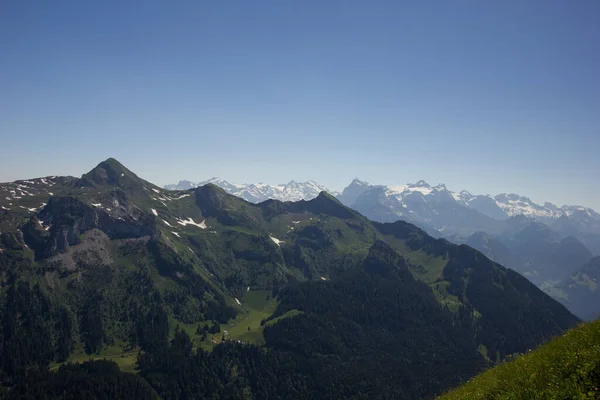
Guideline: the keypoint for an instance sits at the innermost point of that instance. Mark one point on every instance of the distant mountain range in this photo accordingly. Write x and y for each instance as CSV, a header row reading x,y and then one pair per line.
x,y
422,199
418,198
441,212
258,192
545,243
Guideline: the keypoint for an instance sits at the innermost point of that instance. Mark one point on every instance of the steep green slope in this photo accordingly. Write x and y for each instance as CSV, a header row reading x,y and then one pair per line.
x,y
565,368
507,311
367,327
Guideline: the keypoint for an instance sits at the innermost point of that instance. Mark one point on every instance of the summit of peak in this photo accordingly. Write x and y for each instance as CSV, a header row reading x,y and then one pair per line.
x,y
421,183
108,172
215,179
112,163
357,181
323,194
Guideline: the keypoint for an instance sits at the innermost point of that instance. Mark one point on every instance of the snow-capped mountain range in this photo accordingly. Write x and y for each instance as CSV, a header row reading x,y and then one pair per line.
x,y
413,200
501,206
257,192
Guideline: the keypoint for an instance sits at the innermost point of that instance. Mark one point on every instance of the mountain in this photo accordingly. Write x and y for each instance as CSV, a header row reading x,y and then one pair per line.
x,y
491,247
486,205
353,191
547,259
109,264
256,193
462,213
513,204
580,291
566,368
182,185
532,249
434,208
583,225
545,243
441,212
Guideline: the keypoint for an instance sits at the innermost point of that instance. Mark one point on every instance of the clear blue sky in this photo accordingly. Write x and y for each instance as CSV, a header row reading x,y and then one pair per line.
x,y
489,96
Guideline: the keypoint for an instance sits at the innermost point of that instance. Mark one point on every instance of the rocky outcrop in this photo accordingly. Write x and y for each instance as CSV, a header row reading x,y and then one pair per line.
x,y
67,218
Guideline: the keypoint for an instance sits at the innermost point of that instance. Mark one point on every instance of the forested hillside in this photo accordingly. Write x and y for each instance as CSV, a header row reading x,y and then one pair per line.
x,y
109,265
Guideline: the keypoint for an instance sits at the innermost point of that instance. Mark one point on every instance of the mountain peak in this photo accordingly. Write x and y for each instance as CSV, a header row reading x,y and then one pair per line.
x,y
358,182
214,180
108,172
421,183
324,195
325,203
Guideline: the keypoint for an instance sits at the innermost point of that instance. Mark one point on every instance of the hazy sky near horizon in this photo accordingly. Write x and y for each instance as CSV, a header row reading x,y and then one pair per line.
x,y
491,97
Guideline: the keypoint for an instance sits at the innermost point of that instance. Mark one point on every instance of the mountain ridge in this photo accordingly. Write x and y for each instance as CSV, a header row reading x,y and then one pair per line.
x,y
258,192
500,206
560,239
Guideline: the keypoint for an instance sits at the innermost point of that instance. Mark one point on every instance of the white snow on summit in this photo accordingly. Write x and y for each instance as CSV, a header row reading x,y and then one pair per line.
x,y
513,204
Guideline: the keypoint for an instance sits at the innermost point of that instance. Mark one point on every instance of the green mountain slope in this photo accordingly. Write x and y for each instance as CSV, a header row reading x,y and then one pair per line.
x,y
357,336
112,261
369,325
565,368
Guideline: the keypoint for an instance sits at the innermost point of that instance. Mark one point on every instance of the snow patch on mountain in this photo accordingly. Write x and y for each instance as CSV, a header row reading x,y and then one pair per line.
x,y
190,221
276,241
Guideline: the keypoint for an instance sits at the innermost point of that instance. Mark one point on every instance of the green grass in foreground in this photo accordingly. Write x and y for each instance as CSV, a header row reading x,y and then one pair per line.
x,y
565,368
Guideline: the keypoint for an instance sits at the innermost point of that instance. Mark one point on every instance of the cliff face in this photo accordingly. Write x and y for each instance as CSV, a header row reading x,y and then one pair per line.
x,y
64,219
